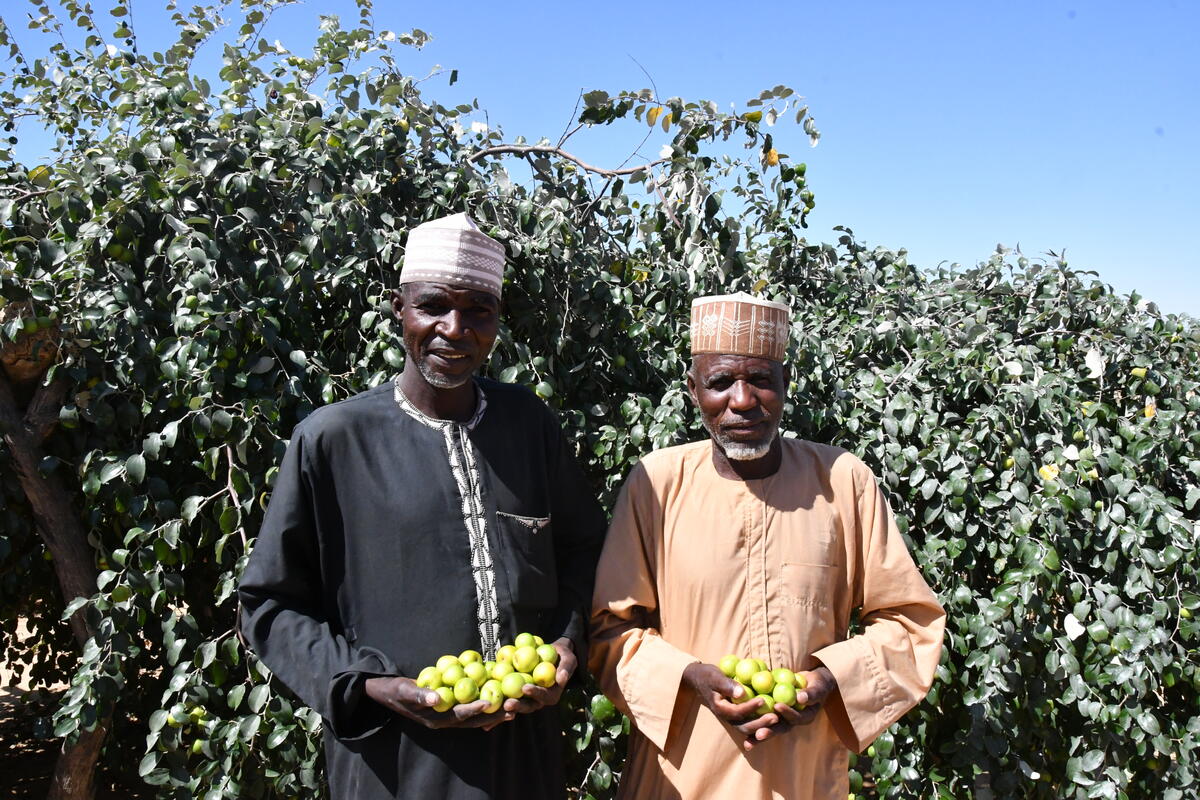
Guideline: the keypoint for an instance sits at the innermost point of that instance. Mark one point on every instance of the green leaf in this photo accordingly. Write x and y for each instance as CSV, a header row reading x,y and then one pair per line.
x,y
135,468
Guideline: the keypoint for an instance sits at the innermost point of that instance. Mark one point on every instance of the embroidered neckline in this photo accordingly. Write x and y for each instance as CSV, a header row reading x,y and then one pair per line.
x,y
407,406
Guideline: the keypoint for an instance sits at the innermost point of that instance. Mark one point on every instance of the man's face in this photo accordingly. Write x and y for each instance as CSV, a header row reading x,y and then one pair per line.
x,y
740,401
448,331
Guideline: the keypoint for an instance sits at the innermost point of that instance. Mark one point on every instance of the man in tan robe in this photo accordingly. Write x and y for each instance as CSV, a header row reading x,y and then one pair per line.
x,y
760,546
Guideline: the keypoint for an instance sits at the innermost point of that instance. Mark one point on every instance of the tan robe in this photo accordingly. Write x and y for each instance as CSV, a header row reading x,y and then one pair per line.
x,y
697,566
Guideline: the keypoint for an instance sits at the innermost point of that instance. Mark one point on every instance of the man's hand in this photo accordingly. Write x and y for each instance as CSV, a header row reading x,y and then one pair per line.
x,y
404,697
539,696
713,689
820,683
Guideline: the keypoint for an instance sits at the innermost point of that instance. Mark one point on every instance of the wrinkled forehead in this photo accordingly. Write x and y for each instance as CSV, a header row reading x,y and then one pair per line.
x,y
709,365
423,291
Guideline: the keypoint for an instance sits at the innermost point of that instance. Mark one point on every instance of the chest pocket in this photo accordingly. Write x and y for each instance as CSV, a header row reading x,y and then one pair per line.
x,y
809,567
529,559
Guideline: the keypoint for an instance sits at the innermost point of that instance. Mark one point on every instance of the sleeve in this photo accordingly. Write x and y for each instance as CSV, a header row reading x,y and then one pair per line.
x,y
889,667
578,526
283,614
635,666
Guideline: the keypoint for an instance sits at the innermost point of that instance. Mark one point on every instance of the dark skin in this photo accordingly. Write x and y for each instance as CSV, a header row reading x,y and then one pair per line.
x,y
740,400
448,333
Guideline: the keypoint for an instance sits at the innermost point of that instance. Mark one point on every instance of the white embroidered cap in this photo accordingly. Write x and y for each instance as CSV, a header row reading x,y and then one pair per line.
x,y
453,250
740,325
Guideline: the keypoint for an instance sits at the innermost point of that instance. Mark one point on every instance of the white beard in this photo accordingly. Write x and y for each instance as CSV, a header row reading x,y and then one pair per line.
x,y
743,451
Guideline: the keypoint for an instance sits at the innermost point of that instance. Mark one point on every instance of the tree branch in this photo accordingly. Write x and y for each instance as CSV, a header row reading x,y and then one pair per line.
x,y
42,414
530,149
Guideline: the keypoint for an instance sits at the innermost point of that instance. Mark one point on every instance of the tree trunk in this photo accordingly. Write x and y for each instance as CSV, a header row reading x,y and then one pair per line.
x,y
65,538
75,769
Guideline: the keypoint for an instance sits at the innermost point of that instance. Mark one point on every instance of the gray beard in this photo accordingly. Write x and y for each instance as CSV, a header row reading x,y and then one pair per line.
x,y
740,451
435,379
439,381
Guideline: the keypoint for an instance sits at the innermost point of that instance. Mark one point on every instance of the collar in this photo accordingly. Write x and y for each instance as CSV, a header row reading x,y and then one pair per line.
x,y
432,422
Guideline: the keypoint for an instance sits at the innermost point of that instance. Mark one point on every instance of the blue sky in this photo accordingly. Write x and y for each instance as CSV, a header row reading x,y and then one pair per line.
x,y
947,127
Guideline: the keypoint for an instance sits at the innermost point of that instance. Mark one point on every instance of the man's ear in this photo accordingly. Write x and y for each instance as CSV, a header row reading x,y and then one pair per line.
x,y
787,377
691,387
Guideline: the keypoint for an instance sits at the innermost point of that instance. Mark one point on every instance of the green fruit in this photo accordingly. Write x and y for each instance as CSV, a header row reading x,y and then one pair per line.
x,y
745,670
767,704
197,747
453,674
476,672
784,693
784,675
513,685
430,678
502,669
493,695
466,690
619,361
545,674
547,653
466,656
505,653
525,659
447,661
524,640
177,717
728,665
445,699
763,682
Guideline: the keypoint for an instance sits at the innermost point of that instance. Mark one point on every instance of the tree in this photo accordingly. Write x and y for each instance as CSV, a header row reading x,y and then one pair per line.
x,y
206,264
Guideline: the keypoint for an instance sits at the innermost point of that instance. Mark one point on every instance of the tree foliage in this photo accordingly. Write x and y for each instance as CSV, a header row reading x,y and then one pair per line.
x,y
212,263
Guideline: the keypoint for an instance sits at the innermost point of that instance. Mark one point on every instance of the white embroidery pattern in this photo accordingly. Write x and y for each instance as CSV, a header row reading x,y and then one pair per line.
x,y
461,457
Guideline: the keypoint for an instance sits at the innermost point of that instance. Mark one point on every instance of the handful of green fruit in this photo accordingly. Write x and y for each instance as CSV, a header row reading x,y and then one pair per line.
x,y
759,681
465,678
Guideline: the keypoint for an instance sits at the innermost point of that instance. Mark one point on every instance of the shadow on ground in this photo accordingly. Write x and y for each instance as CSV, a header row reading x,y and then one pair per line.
x,y
28,750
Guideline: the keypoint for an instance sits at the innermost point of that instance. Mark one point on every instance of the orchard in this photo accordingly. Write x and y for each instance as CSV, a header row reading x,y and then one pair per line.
x,y
201,261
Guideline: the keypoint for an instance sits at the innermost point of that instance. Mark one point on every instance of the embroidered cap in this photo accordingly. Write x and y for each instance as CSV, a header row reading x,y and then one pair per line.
x,y
740,325
453,250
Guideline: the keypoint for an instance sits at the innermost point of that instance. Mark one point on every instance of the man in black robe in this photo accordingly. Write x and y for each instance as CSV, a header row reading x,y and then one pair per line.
x,y
437,513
